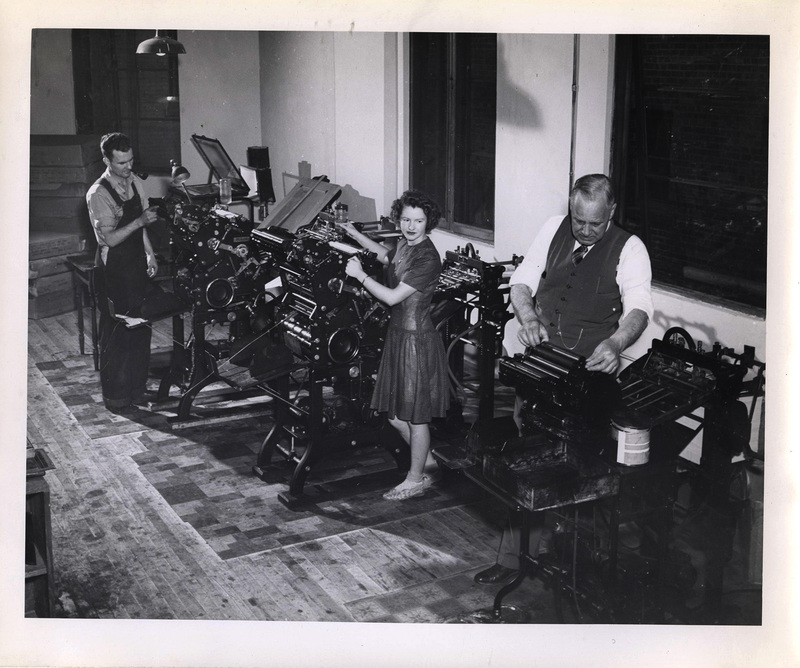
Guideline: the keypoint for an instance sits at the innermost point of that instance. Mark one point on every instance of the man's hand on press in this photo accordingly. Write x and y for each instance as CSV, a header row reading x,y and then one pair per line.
x,y
152,265
532,333
149,216
605,357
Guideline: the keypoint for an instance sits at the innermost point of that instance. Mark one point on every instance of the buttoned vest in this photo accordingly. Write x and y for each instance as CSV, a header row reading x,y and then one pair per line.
x,y
580,305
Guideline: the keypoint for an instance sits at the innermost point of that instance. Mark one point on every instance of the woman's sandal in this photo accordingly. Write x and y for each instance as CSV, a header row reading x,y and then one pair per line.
x,y
405,490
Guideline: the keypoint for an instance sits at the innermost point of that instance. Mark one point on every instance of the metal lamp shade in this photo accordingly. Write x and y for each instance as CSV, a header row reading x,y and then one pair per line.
x,y
161,46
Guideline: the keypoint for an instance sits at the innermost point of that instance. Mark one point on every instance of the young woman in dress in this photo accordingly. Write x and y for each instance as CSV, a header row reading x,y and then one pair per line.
x,y
411,384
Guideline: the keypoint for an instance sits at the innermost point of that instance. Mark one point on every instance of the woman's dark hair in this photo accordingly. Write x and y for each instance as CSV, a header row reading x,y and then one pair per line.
x,y
418,200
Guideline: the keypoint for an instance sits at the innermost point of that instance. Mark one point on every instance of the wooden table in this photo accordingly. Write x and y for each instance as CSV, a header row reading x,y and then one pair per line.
x,y
83,275
562,478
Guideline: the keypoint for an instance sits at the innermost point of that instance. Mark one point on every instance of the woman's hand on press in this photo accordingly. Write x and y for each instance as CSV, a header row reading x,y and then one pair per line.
x,y
353,268
348,227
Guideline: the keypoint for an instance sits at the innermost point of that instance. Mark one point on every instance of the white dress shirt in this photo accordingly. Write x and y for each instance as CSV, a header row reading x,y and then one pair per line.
x,y
633,275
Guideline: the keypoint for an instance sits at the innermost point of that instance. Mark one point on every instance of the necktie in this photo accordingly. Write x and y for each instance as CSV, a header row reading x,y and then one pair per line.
x,y
578,254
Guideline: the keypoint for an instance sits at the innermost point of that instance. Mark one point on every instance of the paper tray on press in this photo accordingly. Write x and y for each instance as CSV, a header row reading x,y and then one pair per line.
x,y
549,474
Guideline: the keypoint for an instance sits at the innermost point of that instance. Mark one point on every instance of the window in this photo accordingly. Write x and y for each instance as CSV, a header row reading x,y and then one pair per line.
x,y
117,90
453,117
690,158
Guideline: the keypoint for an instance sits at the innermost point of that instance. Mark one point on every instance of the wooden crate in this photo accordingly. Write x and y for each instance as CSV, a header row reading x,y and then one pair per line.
x,y
44,285
58,207
78,225
47,266
65,150
51,244
47,174
61,189
62,169
52,303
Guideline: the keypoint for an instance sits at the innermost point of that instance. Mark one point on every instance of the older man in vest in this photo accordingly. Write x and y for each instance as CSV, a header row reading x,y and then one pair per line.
x,y
584,285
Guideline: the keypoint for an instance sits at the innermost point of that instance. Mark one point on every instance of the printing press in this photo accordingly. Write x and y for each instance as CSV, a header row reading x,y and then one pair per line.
x,y
221,273
331,337
302,338
336,329
475,293
326,318
602,456
233,277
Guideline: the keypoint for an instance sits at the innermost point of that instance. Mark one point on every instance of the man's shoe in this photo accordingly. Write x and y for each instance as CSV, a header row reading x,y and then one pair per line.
x,y
128,409
144,399
497,574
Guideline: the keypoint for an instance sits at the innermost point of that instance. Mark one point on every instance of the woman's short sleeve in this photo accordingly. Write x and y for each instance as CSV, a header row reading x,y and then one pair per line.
x,y
424,270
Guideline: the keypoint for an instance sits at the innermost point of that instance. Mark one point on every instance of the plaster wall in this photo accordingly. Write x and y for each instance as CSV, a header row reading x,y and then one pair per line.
x,y
328,99
52,89
219,94
337,101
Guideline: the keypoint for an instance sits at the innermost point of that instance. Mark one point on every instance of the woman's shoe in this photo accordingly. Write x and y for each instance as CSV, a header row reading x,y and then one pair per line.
x,y
405,490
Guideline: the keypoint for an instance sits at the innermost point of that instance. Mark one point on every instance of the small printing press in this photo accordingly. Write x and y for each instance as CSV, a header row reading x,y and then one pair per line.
x,y
332,338
472,301
601,456
302,336
220,273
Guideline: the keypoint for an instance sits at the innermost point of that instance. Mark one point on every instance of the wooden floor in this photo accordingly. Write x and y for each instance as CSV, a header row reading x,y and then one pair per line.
x,y
121,551
123,548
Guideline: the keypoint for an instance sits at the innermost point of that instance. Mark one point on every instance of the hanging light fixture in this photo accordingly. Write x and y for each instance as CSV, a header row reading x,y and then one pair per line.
x,y
161,46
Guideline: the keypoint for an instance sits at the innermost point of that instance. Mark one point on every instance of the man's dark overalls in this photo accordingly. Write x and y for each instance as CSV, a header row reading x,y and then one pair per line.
x,y
124,353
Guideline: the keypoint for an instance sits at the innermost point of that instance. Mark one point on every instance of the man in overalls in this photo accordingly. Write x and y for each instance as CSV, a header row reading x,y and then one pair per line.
x,y
125,262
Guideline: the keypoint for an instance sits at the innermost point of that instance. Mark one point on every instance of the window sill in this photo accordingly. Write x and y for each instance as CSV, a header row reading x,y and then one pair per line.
x,y
460,239
478,234
718,302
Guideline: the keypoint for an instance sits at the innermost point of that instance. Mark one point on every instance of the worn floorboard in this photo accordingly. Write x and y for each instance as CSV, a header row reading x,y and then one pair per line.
x,y
122,551
151,523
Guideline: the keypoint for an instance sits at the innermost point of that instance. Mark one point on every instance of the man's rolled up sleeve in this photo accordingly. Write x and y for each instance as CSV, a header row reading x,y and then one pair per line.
x,y
529,271
101,214
634,277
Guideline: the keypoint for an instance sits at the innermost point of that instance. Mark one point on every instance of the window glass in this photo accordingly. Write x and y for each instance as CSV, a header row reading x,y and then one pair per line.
x,y
453,119
118,90
690,158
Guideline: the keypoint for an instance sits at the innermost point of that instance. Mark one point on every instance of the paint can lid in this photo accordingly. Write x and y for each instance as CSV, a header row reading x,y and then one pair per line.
x,y
630,420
